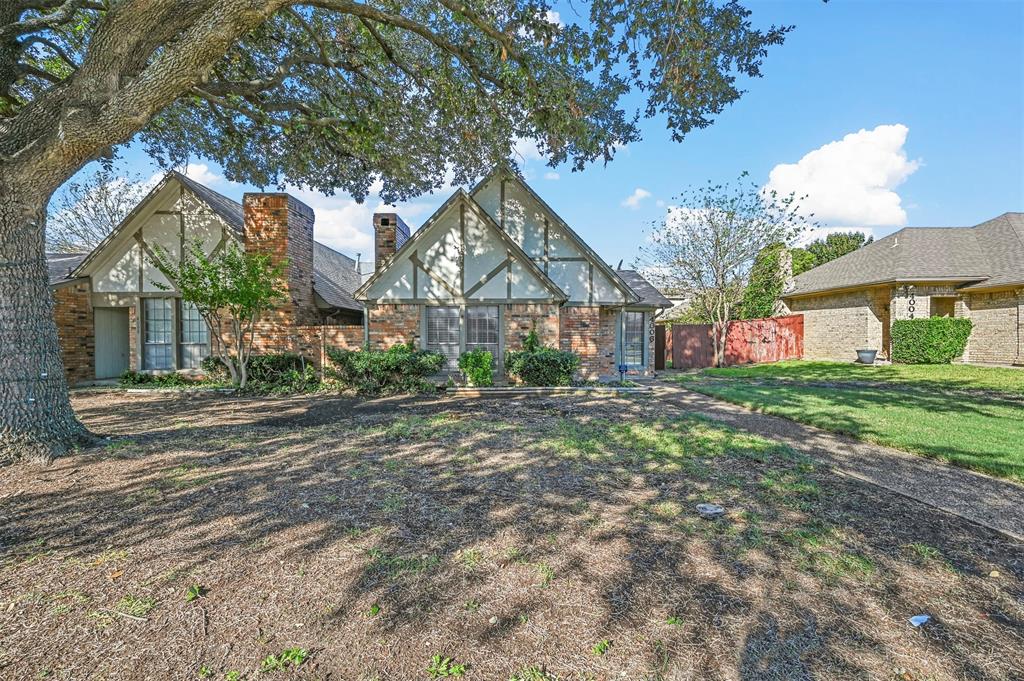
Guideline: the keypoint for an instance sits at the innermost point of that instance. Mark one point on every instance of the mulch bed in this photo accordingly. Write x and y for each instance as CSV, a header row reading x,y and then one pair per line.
x,y
548,534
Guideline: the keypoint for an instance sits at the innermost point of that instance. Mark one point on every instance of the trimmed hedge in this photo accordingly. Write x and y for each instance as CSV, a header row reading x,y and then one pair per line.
x,y
542,366
933,340
399,369
478,367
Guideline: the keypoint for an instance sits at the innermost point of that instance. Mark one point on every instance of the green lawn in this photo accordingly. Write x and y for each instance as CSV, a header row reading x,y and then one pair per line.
x,y
967,415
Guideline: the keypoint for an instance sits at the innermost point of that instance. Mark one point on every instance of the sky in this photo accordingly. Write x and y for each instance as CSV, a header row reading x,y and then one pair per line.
x,y
886,114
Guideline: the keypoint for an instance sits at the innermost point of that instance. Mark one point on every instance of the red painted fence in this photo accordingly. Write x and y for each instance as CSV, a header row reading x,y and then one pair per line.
x,y
749,341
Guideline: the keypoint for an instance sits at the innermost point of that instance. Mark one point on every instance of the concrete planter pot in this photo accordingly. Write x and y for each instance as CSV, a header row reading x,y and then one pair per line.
x,y
867,356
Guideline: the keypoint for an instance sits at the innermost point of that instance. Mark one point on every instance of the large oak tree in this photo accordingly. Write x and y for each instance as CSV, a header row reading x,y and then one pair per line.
x,y
323,93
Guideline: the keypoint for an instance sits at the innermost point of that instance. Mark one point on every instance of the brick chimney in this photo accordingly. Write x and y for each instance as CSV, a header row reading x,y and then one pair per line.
x,y
389,232
282,226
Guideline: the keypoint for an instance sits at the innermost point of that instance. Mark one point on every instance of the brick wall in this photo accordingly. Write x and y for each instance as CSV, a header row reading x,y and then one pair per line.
x,y
837,325
998,327
520,318
72,311
590,333
393,324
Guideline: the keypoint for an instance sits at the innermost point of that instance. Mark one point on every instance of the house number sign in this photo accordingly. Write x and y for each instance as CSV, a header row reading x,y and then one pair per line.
x,y
911,301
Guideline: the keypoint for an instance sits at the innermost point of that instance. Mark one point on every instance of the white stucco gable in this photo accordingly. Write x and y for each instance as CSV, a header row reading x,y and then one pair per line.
x,y
460,255
549,241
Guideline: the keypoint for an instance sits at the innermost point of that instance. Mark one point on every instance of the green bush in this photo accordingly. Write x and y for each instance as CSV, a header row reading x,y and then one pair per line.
x,y
542,366
478,367
934,340
399,369
282,372
140,378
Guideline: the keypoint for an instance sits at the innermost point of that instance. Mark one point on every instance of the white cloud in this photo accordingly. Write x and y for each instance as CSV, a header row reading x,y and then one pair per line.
x,y
346,225
633,200
526,150
201,173
554,17
551,175
852,180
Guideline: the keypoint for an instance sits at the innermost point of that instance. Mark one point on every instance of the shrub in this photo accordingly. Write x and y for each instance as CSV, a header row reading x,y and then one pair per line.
x,y
934,340
477,365
398,369
542,366
283,372
140,378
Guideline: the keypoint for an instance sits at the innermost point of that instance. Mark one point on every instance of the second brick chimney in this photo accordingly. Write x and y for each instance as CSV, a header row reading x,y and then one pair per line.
x,y
282,226
389,233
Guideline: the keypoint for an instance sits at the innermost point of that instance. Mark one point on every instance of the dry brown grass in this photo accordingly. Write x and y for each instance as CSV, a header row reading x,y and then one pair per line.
x,y
505,534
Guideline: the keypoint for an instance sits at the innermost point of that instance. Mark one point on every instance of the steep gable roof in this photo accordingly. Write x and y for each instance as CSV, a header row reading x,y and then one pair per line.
x,y
61,265
508,173
458,196
334,274
649,295
987,255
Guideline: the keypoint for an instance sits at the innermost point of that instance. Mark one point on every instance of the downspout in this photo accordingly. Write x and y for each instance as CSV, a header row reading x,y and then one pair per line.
x,y
366,326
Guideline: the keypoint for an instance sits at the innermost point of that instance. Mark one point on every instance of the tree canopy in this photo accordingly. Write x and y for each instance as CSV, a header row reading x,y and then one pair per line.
x,y
333,93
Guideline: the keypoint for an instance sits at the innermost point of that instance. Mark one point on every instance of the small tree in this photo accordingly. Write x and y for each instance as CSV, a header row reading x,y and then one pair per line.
x,y
836,245
89,209
232,291
708,242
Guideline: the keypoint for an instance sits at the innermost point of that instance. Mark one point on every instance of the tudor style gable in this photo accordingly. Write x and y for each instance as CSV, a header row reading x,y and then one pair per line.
x,y
549,241
460,255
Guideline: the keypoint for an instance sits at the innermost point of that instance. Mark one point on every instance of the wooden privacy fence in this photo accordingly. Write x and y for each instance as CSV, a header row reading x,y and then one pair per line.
x,y
749,341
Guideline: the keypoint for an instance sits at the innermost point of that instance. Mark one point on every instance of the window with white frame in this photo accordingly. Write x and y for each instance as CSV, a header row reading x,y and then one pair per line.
x,y
482,329
633,338
158,333
195,337
443,334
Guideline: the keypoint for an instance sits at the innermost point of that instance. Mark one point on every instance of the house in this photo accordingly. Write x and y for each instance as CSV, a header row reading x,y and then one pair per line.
x,y
488,267
974,272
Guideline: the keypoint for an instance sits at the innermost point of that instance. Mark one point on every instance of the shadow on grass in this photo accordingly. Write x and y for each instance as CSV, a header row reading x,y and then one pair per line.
x,y
582,510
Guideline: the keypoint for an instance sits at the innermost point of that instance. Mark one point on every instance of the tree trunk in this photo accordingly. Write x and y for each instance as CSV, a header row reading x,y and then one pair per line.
x,y
36,419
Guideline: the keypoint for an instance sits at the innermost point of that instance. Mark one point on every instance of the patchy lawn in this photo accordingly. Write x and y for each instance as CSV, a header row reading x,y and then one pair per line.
x,y
969,416
485,539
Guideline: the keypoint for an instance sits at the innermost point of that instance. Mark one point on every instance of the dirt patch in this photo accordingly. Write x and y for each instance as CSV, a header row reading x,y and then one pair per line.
x,y
514,536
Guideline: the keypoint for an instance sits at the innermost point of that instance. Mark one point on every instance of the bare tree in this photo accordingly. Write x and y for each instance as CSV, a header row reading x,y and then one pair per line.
x,y
708,241
89,209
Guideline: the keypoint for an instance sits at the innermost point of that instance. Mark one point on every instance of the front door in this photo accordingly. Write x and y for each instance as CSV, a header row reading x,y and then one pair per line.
x,y
111,324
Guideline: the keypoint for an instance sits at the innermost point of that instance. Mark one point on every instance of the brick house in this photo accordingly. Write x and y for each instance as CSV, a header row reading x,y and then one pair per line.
x,y
974,272
485,269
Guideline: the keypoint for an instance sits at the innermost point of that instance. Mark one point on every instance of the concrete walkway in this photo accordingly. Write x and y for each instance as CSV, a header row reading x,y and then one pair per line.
x,y
992,502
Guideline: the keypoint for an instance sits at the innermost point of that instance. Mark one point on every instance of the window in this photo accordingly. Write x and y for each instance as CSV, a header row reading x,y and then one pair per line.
x,y
158,338
482,329
195,337
633,339
443,334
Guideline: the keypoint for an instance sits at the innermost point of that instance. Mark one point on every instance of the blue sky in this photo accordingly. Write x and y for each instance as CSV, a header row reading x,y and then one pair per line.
x,y
888,114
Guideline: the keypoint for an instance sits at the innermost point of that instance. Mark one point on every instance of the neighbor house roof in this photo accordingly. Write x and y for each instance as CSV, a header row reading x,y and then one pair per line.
x,y
649,296
335,277
61,265
987,255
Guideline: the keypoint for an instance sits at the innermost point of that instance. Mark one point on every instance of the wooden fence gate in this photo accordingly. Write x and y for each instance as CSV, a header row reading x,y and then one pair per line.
x,y
748,341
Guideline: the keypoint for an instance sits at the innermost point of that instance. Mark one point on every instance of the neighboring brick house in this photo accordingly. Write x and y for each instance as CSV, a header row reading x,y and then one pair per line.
x,y
112,316
441,288
494,263
973,272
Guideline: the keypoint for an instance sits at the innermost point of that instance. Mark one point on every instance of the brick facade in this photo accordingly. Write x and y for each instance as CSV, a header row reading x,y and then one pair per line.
x,y
521,318
72,310
590,333
393,324
835,323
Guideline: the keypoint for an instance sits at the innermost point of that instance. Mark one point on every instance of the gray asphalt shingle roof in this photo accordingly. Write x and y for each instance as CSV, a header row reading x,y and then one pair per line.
x,y
989,254
644,289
